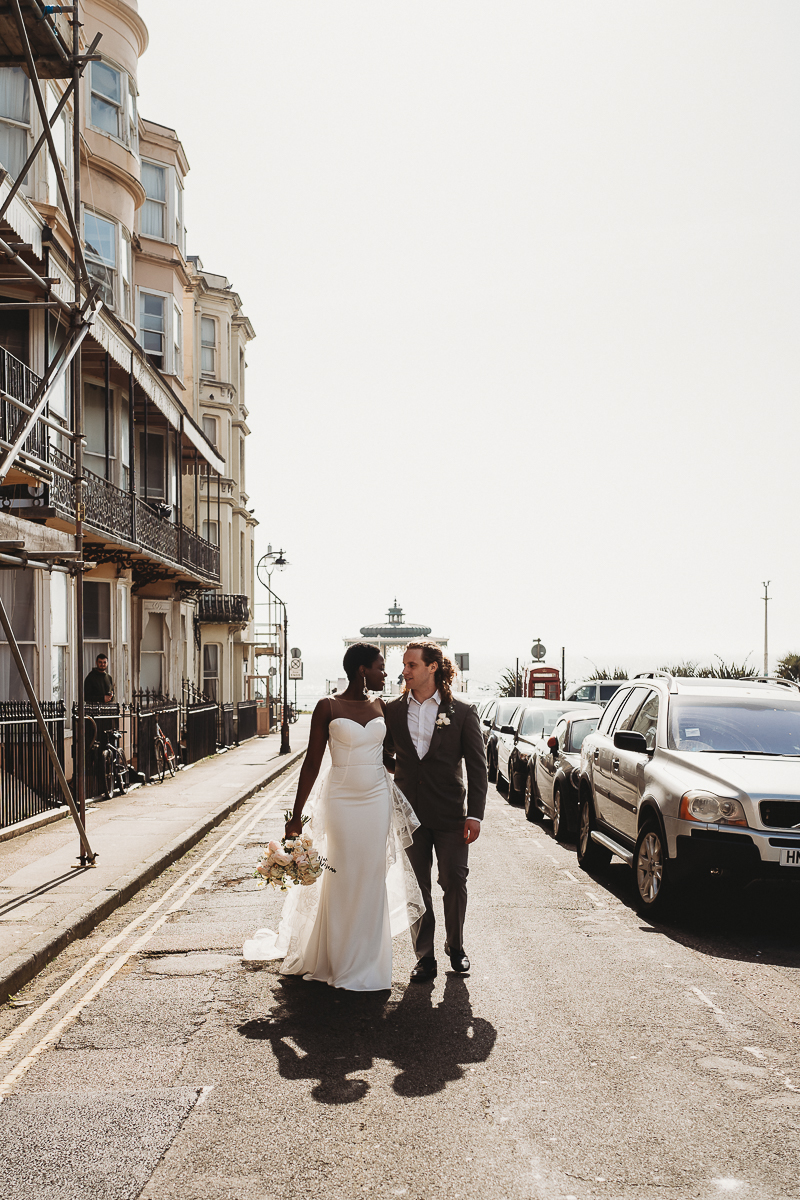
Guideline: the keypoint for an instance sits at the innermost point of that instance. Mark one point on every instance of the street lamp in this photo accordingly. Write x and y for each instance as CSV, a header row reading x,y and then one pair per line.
x,y
266,565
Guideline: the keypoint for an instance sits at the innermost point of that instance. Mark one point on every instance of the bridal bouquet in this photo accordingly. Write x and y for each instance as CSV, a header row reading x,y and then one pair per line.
x,y
293,861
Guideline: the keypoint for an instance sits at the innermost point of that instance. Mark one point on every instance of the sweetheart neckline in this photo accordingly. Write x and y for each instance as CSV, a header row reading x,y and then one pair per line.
x,y
352,722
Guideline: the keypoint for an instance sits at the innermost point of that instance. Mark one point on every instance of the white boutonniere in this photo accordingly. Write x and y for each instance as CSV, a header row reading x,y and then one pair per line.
x,y
442,720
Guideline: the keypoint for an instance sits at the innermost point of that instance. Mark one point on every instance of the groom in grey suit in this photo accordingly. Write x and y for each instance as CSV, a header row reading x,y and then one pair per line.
x,y
428,733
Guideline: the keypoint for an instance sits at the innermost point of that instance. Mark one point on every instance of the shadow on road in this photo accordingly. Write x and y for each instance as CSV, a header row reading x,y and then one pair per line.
x,y
323,1033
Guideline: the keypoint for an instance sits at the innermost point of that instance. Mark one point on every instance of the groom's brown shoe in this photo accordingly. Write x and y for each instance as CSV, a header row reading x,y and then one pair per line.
x,y
424,970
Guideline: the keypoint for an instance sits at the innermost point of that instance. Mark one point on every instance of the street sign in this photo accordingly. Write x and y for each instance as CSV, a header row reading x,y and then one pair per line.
x,y
295,668
462,662
273,671
538,650
296,653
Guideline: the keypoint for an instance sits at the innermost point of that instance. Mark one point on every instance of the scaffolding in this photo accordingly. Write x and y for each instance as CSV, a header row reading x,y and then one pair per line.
x,y
44,41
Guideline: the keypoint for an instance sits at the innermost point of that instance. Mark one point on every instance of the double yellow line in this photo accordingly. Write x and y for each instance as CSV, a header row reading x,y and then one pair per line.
x,y
234,837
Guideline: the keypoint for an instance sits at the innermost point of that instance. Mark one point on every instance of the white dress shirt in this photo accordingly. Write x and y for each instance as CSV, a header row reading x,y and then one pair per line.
x,y
422,721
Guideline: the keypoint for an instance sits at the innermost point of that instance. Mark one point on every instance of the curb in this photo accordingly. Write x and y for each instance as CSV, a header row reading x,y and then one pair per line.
x,y
19,969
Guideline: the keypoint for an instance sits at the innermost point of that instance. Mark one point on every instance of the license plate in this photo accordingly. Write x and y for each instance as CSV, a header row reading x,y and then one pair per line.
x,y
790,858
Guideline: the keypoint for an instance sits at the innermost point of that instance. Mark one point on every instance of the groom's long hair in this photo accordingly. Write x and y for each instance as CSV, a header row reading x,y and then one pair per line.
x,y
445,670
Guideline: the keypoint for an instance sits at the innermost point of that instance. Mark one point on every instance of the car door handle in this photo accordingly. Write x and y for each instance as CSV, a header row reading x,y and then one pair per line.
x,y
596,755
615,764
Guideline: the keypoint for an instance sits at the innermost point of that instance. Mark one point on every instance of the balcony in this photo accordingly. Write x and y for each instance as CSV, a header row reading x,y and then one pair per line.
x,y
218,609
20,383
128,519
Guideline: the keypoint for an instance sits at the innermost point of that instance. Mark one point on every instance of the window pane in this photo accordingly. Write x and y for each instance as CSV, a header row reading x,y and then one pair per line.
x,y
59,622
152,312
211,532
154,181
153,636
94,418
58,673
155,464
107,81
11,687
17,591
101,238
13,149
208,333
15,95
210,429
150,674
153,218
105,116
96,610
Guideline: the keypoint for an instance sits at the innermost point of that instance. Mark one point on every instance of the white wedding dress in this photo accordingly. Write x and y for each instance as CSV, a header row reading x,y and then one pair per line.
x,y
339,930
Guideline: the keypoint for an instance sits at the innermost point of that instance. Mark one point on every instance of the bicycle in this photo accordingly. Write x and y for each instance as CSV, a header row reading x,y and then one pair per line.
x,y
165,755
114,770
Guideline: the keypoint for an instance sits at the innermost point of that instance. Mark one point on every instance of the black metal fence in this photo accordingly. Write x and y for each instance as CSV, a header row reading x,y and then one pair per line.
x,y
154,712
247,714
201,731
100,720
225,730
28,781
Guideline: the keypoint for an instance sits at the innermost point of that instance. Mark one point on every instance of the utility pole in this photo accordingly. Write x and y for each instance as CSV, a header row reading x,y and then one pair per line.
x,y
767,599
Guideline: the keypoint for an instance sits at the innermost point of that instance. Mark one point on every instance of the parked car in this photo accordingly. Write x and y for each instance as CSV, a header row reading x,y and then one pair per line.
x,y
532,718
556,769
593,691
486,717
499,727
686,776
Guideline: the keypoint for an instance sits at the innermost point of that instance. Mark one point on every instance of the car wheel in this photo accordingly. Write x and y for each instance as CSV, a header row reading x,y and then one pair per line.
x,y
652,871
491,768
591,855
562,826
532,810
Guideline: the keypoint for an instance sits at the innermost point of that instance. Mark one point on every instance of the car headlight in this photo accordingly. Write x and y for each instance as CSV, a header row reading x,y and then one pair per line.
x,y
711,809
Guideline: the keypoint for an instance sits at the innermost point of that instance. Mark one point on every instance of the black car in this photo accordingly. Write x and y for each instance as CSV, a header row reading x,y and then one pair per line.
x,y
535,723
557,767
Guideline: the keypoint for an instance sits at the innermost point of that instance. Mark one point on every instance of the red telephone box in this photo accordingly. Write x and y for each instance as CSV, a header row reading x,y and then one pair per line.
x,y
543,682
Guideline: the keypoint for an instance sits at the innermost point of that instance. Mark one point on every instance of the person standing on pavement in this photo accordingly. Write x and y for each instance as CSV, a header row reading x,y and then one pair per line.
x,y
429,732
98,686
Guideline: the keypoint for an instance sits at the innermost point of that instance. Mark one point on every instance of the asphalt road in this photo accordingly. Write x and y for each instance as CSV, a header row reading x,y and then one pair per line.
x,y
587,1053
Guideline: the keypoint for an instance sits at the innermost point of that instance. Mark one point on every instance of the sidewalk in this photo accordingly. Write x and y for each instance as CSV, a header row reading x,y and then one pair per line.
x,y
45,903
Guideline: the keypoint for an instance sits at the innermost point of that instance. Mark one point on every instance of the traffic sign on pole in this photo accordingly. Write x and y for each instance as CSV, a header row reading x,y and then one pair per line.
x,y
538,650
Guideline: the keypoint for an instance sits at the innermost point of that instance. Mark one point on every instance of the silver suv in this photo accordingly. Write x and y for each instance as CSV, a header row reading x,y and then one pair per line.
x,y
592,690
685,776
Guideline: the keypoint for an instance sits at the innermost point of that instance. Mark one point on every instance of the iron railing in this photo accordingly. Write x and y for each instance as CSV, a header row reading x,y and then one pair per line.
x,y
201,731
28,781
225,731
100,720
111,510
247,718
153,709
221,608
20,382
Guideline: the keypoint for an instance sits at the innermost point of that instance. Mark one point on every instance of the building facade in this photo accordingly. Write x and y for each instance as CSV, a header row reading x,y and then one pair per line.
x,y
169,596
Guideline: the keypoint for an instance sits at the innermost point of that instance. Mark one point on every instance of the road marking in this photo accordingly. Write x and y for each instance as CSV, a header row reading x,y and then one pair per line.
x,y
707,1000
249,820
594,899
570,875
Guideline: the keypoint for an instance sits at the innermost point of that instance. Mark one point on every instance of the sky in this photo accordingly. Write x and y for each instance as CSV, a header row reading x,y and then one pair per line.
x,y
524,278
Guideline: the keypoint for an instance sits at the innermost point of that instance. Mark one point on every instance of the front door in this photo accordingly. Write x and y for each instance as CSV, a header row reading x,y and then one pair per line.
x,y
627,781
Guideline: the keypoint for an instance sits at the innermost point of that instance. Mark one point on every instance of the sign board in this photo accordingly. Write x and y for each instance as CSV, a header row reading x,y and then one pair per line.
x,y
462,662
273,671
296,653
295,668
538,650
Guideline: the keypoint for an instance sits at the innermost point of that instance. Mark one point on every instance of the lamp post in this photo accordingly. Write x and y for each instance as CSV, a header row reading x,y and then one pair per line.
x,y
266,565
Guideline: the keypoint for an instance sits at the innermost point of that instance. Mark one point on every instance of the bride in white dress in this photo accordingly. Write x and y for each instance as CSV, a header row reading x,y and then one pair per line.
x,y
339,931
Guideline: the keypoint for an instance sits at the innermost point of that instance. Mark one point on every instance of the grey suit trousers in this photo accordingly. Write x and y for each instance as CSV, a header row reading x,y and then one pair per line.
x,y
452,853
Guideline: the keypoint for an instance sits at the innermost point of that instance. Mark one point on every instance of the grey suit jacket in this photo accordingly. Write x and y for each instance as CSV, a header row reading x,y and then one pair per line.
x,y
434,785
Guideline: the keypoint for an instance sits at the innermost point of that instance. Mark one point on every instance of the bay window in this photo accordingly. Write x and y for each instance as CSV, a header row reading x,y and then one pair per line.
x,y
152,323
154,210
208,345
100,236
106,109
15,119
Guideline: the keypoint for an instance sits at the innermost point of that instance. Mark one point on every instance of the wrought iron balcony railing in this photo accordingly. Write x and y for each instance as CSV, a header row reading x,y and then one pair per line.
x,y
111,510
223,609
19,382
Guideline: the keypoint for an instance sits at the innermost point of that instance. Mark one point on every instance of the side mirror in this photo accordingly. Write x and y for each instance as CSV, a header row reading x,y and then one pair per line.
x,y
626,739
506,728
552,744
487,724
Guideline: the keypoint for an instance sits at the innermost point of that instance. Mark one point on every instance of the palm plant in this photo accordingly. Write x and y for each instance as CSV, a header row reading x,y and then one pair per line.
x,y
510,683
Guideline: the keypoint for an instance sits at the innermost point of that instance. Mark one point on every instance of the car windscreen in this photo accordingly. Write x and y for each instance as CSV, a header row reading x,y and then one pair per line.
x,y
579,731
607,690
745,726
505,711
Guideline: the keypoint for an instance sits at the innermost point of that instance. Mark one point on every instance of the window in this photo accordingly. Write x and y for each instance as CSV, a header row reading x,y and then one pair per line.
x,y
611,711
100,237
17,590
152,322
177,211
154,212
125,308
241,464
242,566
94,422
15,119
607,690
152,675
156,465
123,640
211,657
208,345
211,532
646,721
210,429
630,708
106,110
532,723
177,340
59,636
96,622
579,731
62,143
